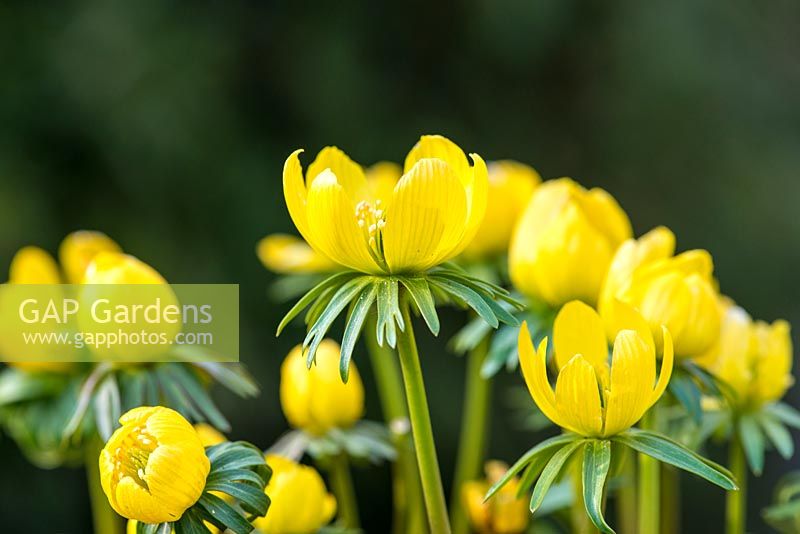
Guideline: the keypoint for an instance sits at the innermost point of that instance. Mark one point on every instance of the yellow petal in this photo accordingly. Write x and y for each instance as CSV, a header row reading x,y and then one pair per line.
x,y
572,259
666,365
702,328
349,174
773,361
666,301
606,215
438,147
633,377
295,194
288,254
579,330
534,370
78,249
426,217
578,397
477,190
33,265
618,316
333,227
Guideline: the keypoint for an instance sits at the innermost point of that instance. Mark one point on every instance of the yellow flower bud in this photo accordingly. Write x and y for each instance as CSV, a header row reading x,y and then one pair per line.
x,y
79,249
283,253
300,504
209,436
674,291
591,397
563,244
123,271
511,185
153,467
316,400
33,265
504,513
753,357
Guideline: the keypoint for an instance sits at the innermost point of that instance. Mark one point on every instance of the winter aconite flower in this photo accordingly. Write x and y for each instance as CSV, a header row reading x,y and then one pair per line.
x,y
300,503
430,216
153,467
563,244
506,513
511,185
315,399
675,291
79,249
591,397
753,357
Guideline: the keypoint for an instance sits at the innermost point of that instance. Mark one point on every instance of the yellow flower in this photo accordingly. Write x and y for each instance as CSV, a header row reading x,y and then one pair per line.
x,y
287,254
563,244
119,268
504,513
432,213
153,467
511,185
753,357
675,291
316,400
592,398
33,265
300,504
79,249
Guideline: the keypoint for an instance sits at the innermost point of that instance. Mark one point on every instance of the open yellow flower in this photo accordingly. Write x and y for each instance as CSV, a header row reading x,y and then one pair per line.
x,y
511,185
300,504
316,399
431,215
563,244
154,466
287,254
675,291
505,513
753,357
591,397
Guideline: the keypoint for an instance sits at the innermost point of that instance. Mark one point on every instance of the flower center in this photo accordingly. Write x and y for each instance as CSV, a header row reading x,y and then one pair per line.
x,y
132,455
372,219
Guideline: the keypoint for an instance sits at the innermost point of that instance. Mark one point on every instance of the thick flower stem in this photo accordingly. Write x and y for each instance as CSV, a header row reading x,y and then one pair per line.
x,y
626,495
474,433
342,486
421,428
104,519
736,501
670,500
409,506
649,484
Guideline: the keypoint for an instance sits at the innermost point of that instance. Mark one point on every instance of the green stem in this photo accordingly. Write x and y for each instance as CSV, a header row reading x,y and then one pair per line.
x,y
736,501
421,428
649,485
670,500
581,524
474,433
626,495
409,506
342,487
104,519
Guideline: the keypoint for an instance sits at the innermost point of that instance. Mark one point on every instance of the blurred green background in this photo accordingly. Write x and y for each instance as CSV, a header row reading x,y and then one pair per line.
x,y
166,124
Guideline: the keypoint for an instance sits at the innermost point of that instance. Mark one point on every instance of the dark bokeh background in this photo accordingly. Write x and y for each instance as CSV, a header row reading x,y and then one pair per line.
x,y
165,124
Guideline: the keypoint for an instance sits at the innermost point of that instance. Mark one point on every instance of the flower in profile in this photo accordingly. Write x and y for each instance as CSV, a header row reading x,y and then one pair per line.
x,y
591,397
154,467
430,215
753,357
315,399
300,503
34,265
506,513
675,291
511,185
563,244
